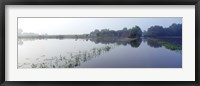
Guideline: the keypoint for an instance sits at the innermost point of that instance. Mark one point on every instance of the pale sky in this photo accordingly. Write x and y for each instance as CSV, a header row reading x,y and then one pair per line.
x,y
86,25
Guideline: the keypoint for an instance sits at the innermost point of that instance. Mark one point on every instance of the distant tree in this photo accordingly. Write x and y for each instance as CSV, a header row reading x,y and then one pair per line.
x,y
125,32
175,30
135,32
155,31
132,33
95,33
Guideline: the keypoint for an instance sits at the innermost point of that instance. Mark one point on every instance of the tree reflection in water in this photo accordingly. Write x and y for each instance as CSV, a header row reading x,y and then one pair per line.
x,y
135,43
173,44
76,59
153,43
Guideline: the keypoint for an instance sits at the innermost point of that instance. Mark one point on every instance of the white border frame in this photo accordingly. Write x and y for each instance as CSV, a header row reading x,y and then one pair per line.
x,y
186,73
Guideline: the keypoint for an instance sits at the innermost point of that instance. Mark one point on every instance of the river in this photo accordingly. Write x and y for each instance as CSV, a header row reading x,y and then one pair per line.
x,y
100,53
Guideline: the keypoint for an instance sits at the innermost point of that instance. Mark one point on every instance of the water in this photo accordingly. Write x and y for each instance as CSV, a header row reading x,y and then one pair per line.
x,y
100,53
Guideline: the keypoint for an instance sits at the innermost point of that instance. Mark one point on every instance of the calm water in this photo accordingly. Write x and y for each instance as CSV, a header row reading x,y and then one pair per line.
x,y
100,53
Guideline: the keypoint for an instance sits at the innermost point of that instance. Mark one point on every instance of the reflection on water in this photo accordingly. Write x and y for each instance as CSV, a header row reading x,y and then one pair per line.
x,y
73,60
174,44
111,53
135,43
153,43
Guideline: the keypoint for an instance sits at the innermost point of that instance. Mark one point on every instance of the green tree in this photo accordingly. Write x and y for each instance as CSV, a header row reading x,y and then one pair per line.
x,y
135,32
156,31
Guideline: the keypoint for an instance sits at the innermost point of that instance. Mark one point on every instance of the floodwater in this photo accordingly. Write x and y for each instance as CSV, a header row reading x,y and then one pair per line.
x,y
100,53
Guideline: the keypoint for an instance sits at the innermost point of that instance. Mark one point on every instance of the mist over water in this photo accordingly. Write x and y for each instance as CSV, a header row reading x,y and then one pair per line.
x,y
100,53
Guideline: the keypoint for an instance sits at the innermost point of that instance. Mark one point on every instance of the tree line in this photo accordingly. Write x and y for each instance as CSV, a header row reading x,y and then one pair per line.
x,y
157,31
135,32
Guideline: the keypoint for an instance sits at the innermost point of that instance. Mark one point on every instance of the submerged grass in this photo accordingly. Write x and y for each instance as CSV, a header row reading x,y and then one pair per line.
x,y
167,45
73,60
170,46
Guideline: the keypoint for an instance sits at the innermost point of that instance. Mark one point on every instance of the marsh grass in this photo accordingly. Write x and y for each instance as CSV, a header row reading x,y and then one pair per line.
x,y
167,45
170,46
70,61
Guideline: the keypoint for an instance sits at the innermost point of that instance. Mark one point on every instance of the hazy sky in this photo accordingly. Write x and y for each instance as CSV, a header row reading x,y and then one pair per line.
x,y
86,25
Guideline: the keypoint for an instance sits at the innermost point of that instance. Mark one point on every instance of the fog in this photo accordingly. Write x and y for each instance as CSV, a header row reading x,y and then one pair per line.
x,y
86,25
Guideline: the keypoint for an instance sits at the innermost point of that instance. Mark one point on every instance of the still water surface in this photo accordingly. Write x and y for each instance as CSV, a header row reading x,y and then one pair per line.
x,y
100,53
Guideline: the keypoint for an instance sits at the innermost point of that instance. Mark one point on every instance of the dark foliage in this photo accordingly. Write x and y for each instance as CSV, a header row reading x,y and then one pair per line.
x,y
133,32
155,31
